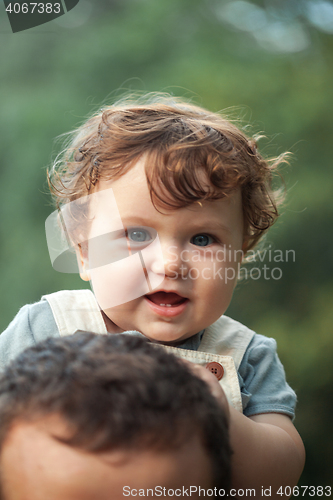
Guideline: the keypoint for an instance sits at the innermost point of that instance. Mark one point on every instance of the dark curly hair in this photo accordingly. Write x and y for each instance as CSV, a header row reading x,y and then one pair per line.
x,y
116,392
180,142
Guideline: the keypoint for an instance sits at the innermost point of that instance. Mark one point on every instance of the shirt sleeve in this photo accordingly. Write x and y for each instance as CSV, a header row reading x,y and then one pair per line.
x,y
263,381
33,323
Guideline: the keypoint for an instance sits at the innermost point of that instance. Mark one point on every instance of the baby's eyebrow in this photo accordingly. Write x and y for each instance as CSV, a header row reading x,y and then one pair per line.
x,y
210,226
196,226
129,221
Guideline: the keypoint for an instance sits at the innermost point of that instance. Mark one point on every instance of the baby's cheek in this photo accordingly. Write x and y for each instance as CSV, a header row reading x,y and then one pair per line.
x,y
216,286
119,282
216,273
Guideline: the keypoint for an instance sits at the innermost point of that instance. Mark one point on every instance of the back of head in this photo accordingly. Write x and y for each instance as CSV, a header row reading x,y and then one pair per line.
x,y
116,392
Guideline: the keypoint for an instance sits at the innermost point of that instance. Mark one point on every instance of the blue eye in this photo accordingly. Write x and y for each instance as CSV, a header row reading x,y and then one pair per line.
x,y
202,240
138,235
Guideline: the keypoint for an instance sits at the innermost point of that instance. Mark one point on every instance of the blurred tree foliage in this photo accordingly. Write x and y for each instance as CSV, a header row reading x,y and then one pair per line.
x,y
53,76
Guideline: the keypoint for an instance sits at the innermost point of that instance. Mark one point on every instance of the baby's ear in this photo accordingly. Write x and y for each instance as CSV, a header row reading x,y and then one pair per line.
x,y
81,251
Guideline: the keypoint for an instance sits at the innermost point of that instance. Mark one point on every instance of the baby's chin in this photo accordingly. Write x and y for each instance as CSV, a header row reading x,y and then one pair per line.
x,y
163,331
159,334
165,337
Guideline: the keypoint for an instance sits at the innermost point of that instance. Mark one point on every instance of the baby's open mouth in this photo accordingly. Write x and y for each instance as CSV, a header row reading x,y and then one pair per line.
x,y
166,299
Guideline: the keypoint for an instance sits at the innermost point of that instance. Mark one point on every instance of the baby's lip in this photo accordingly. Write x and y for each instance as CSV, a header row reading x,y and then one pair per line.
x,y
169,297
166,291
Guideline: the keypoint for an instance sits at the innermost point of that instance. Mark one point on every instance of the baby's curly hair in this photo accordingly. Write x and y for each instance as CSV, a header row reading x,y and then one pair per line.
x,y
180,142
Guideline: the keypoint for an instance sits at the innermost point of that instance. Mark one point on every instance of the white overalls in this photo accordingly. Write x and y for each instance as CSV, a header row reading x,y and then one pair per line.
x,y
224,342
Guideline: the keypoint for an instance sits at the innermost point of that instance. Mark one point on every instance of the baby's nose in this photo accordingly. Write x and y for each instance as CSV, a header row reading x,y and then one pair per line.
x,y
172,264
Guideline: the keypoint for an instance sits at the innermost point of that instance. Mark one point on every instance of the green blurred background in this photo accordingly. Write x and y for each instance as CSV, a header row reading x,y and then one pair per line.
x,y
270,63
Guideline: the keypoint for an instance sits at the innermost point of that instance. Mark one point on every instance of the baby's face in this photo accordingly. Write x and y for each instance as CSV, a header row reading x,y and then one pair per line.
x,y
192,263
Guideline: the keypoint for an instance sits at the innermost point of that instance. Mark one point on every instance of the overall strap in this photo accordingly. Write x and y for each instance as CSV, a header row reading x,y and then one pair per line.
x,y
76,310
227,337
224,342
229,380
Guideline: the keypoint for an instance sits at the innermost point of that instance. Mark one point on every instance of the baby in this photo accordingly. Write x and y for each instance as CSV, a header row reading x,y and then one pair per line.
x,y
158,203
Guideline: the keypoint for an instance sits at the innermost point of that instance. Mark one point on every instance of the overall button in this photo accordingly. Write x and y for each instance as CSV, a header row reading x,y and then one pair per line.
x,y
216,369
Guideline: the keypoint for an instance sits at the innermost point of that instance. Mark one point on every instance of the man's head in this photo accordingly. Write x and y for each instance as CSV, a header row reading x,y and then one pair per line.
x,y
85,416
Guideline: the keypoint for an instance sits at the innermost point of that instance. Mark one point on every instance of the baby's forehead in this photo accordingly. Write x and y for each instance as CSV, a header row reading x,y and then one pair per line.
x,y
111,211
148,191
172,181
